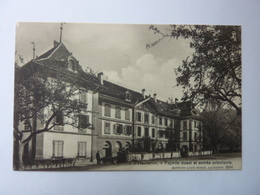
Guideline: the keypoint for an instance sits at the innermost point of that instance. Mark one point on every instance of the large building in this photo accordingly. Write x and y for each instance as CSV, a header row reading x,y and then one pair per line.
x,y
64,140
112,117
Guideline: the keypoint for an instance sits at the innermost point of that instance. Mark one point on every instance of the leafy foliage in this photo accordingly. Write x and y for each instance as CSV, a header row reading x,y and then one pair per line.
x,y
222,129
43,99
39,101
214,69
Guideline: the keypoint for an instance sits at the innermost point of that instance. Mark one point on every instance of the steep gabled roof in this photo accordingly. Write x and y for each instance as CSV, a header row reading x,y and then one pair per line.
x,y
119,92
58,57
59,51
54,63
159,107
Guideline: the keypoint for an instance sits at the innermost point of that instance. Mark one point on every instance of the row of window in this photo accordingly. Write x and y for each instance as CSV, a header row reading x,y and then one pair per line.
x,y
161,133
166,122
196,136
82,92
197,124
119,129
58,148
117,112
138,116
146,132
83,120
83,96
162,121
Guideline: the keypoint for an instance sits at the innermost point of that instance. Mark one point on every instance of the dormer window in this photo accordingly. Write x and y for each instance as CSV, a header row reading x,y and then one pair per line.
x,y
128,96
72,66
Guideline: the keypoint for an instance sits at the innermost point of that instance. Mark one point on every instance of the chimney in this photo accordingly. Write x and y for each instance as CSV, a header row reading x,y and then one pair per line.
x,y
55,43
143,90
154,97
100,78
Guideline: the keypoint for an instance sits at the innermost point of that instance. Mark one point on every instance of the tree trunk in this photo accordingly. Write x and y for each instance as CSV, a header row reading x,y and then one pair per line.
x,y
20,156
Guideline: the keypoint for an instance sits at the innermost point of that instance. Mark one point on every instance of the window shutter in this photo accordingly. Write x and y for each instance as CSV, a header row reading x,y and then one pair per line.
x,y
114,128
87,119
124,130
60,149
86,97
80,121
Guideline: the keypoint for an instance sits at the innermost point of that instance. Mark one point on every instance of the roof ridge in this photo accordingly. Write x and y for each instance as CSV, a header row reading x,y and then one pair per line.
x,y
122,87
53,50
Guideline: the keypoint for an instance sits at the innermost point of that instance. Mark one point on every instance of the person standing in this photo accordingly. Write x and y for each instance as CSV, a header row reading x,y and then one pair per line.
x,y
98,157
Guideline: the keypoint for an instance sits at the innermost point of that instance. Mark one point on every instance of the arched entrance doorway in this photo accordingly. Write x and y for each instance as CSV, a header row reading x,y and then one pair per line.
x,y
127,146
107,147
160,147
118,145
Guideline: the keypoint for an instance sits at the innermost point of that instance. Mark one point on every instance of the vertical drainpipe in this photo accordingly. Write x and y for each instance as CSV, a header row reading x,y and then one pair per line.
x,y
34,128
133,127
91,149
190,136
202,135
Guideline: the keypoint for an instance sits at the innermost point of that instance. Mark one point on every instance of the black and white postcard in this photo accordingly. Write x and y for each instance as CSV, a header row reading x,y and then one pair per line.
x,y
120,97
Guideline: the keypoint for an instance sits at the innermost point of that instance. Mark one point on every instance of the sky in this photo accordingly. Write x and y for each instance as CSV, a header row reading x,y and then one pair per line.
x,y
117,50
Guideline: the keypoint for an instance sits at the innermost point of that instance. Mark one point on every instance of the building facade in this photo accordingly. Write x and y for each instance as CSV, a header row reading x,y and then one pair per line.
x,y
112,118
71,135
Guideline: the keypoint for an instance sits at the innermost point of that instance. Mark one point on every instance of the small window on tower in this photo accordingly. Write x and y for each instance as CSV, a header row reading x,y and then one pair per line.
x,y
72,65
128,96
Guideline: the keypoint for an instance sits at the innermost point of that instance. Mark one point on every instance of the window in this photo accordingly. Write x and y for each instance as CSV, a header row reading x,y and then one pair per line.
x,y
172,123
57,148
107,110
27,125
118,112
59,121
82,149
200,126
83,96
146,132
107,128
127,114
153,119
160,120
195,135
83,121
139,116
185,138
118,129
153,132
166,122
59,118
184,125
160,133
72,65
168,134
128,96
128,130
146,118
139,131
